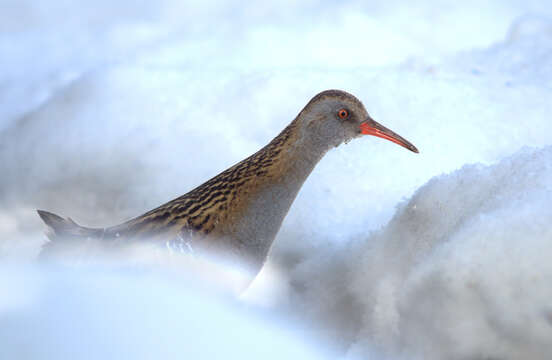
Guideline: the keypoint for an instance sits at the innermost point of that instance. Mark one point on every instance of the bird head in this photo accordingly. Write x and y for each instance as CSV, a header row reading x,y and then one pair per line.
x,y
333,117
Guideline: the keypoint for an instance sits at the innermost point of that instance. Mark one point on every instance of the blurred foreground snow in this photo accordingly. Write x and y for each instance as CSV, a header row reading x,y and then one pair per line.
x,y
112,313
105,121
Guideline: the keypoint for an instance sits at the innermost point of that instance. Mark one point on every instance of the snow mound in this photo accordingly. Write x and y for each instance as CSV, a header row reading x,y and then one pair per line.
x,y
102,312
461,271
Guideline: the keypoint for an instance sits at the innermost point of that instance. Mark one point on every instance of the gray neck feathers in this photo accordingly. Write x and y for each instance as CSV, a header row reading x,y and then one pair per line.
x,y
267,210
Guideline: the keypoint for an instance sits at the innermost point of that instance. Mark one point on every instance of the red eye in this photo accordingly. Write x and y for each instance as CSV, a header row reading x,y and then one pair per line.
x,y
343,114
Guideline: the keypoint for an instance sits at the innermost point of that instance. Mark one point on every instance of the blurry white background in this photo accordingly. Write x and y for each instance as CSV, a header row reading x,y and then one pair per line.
x,y
108,109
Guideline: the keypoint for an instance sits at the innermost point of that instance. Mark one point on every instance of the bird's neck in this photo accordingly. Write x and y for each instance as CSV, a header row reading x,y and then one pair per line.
x,y
280,169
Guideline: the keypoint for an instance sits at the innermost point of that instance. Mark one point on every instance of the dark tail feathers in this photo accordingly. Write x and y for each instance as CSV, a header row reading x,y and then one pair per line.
x,y
59,227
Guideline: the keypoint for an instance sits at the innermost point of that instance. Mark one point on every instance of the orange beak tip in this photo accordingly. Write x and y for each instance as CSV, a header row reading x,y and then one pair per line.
x,y
370,127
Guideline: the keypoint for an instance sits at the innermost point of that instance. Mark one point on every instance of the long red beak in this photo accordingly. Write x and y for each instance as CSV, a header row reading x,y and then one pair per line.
x,y
370,127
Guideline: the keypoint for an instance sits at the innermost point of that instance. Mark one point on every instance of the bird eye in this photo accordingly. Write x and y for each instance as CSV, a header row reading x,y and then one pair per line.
x,y
343,114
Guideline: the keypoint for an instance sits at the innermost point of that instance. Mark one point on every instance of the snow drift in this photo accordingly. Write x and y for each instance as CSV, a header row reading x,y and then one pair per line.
x,y
460,271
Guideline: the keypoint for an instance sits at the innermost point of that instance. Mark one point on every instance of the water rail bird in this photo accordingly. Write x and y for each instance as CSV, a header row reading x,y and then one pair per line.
x,y
239,212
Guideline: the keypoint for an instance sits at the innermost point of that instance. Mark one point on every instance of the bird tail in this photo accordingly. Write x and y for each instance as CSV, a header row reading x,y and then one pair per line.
x,y
60,228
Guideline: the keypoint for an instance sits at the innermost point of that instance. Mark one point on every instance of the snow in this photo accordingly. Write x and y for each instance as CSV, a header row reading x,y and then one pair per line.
x,y
460,271
95,312
109,109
